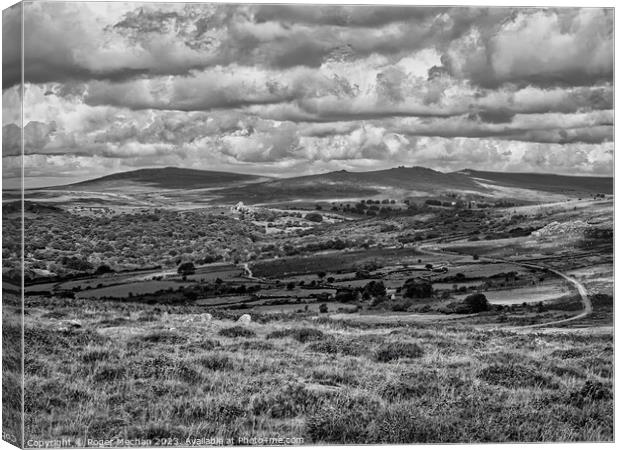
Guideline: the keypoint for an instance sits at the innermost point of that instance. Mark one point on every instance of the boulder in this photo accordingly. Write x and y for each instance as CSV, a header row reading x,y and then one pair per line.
x,y
244,319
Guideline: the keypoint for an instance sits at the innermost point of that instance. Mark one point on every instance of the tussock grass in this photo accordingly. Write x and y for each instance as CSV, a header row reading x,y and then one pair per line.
x,y
302,335
324,381
237,331
515,375
397,350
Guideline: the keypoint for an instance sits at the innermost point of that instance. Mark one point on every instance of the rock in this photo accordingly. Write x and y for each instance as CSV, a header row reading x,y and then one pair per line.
x,y
244,319
73,324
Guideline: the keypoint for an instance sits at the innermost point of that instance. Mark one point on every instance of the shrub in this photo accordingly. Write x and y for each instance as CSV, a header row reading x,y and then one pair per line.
x,y
400,307
323,309
314,217
396,350
236,331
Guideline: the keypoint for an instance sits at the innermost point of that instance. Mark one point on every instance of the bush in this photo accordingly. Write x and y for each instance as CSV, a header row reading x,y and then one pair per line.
x,y
323,309
396,350
314,217
236,331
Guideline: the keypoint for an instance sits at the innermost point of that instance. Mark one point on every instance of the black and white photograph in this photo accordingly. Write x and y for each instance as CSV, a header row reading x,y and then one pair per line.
x,y
306,224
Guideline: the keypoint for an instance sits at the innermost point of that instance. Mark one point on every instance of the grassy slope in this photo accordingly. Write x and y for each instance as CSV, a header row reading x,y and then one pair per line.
x,y
137,371
167,178
353,184
12,374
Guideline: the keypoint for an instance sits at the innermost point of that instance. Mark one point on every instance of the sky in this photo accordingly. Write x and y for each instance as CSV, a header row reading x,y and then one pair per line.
x,y
286,90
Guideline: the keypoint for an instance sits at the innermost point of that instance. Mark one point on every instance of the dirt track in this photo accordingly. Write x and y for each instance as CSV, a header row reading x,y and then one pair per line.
x,y
583,293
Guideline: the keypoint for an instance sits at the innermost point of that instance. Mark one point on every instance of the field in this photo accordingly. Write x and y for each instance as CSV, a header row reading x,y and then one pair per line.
x,y
441,321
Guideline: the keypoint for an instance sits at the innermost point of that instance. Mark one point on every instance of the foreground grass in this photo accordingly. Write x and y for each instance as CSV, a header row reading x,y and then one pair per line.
x,y
110,370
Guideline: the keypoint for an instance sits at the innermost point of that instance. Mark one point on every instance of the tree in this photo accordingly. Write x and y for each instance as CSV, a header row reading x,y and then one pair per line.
x,y
346,295
321,274
187,268
104,268
374,289
323,308
477,302
417,288
290,286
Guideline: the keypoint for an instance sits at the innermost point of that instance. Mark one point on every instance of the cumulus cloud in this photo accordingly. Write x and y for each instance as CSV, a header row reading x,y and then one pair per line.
x,y
288,89
543,47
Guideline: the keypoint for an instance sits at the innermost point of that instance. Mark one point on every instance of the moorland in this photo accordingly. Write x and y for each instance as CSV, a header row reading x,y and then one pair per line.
x,y
404,305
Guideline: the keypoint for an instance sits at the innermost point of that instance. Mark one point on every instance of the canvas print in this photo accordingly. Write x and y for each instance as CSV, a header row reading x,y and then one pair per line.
x,y
252,224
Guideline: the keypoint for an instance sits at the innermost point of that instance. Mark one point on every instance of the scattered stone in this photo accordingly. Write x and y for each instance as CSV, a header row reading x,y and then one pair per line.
x,y
244,319
73,324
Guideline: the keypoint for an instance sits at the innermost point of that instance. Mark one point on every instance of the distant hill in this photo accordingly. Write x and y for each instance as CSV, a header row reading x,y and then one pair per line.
x,y
167,178
562,184
353,184
399,182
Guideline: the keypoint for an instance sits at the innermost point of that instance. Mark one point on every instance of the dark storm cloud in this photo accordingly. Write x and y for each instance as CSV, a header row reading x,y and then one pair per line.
x,y
488,46
11,45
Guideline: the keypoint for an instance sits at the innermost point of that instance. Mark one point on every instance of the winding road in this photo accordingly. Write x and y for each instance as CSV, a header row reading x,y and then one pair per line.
x,y
583,293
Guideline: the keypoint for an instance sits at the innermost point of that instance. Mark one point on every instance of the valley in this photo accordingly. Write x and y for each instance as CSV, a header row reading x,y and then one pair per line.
x,y
411,287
